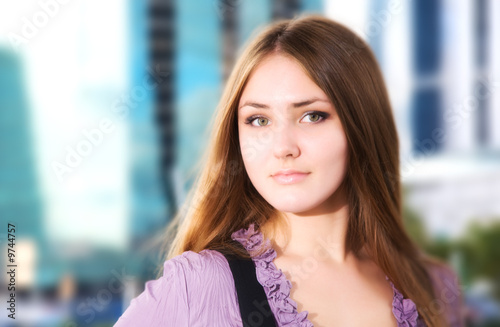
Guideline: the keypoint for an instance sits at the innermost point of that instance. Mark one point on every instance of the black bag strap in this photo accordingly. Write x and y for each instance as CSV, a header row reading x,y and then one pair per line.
x,y
254,307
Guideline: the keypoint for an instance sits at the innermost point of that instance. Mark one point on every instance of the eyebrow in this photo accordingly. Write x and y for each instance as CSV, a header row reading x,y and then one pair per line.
x,y
294,105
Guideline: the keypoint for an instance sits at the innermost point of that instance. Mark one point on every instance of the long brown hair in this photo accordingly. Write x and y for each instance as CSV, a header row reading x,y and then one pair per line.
x,y
223,199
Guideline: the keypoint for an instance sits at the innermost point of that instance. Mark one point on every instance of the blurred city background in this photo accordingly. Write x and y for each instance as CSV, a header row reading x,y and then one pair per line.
x,y
104,108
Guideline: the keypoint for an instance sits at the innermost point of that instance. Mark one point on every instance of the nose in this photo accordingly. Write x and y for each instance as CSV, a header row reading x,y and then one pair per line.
x,y
285,143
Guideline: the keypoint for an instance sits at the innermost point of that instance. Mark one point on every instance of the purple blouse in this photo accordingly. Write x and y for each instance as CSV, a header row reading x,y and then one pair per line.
x,y
197,289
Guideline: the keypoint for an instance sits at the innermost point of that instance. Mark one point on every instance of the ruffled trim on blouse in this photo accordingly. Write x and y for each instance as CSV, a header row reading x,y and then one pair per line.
x,y
403,309
277,287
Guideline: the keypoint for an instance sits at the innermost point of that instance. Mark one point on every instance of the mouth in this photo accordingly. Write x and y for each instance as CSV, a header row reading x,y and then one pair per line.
x,y
292,178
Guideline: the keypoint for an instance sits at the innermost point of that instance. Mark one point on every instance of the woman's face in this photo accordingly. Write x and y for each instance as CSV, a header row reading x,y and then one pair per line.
x,y
286,122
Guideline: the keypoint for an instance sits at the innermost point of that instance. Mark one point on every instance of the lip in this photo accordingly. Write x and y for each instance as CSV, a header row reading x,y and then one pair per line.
x,y
289,176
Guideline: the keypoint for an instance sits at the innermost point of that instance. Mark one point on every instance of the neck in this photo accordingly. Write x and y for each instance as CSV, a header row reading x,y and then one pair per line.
x,y
310,235
320,233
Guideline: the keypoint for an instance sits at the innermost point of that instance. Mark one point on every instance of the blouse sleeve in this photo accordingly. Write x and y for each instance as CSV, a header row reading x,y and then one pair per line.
x,y
449,297
196,289
164,302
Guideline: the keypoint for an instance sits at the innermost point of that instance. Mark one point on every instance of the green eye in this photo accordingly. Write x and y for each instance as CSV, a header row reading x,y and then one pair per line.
x,y
262,121
314,117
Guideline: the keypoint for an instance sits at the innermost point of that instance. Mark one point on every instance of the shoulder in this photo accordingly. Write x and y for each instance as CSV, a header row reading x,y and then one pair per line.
x,y
193,285
201,271
191,264
448,293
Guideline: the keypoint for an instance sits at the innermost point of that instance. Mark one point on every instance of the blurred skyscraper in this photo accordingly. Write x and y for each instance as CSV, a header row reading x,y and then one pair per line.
x,y
20,196
427,100
482,25
150,196
454,178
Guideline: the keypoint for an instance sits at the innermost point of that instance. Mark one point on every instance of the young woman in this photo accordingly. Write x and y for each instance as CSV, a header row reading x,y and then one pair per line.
x,y
302,170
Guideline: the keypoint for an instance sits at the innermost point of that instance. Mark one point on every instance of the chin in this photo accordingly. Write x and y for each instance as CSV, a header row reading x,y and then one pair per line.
x,y
293,206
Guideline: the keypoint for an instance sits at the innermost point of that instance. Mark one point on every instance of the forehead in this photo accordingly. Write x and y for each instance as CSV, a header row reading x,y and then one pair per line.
x,y
280,78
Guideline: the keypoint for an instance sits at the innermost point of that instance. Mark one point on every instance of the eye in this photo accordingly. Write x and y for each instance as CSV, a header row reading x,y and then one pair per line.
x,y
261,121
313,117
316,116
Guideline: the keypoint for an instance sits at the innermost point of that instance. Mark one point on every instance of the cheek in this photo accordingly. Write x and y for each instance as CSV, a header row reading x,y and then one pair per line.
x,y
247,148
331,150
254,147
249,154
